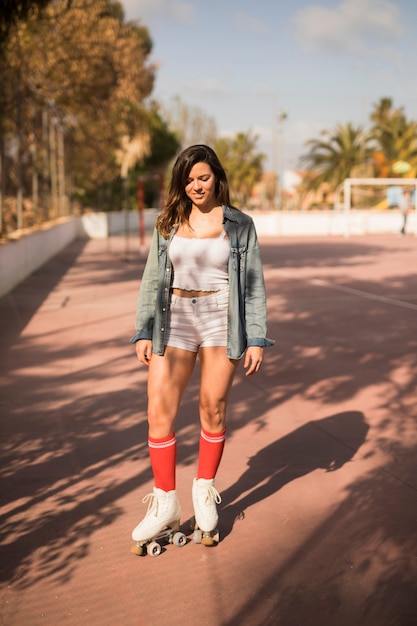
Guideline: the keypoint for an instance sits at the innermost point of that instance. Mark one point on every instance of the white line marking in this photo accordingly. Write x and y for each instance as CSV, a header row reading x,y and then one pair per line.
x,y
364,294
355,292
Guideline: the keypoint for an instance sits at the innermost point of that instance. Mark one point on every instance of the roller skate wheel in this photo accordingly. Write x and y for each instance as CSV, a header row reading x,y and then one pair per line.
x,y
208,540
197,535
154,549
179,540
138,550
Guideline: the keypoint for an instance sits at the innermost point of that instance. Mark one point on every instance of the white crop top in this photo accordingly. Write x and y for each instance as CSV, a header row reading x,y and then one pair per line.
x,y
200,264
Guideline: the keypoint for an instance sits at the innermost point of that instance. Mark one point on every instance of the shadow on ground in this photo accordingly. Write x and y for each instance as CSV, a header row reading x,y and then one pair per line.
x,y
325,444
371,537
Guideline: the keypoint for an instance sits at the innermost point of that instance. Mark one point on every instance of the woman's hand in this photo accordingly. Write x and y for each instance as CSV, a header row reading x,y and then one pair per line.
x,y
144,351
253,359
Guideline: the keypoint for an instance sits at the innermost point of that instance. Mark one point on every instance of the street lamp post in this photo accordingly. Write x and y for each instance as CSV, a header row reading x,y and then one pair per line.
x,y
280,173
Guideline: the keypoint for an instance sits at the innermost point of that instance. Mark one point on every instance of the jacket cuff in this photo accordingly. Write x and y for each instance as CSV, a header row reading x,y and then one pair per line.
x,y
260,342
140,335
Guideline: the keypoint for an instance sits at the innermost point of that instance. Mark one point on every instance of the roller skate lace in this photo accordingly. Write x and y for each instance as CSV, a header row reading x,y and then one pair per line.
x,y
213,496
163,511
205,498
152,501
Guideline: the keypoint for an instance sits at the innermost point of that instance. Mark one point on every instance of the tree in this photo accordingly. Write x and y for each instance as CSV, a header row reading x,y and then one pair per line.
x,y
164,143
190,124
13,11
87,73
242,164
395,137
331,159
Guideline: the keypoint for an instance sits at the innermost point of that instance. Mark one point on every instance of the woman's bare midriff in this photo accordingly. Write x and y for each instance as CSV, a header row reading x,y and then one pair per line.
x,y
191,293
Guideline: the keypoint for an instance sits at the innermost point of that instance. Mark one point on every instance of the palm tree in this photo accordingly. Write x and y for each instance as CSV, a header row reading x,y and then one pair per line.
x,y
331,159
395,137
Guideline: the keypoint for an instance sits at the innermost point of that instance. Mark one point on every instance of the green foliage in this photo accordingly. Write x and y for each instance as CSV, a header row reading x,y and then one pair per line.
x,y
81,72
243,164
12,11
164,143
395,136
332,158
346,149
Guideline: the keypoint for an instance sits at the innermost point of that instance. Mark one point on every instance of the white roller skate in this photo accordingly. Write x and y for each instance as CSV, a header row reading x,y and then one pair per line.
x,y
161,522
205,499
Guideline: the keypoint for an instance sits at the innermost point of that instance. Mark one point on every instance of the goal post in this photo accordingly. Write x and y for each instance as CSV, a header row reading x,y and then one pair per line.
x,y
348,183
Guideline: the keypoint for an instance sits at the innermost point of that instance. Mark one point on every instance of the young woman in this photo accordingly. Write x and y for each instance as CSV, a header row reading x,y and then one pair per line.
x,y
202,293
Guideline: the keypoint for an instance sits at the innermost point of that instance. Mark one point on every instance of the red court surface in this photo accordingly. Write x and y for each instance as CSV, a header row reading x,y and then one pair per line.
x,y
318,520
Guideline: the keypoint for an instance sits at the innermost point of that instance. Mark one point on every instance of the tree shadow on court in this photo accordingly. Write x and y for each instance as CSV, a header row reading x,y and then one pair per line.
x,y
59,445
106,263
332,343
325,444
356,567
60,484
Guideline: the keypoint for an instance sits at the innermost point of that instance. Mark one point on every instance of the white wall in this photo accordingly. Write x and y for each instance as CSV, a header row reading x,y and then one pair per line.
x,y
300,223
101,225
26,252
285,223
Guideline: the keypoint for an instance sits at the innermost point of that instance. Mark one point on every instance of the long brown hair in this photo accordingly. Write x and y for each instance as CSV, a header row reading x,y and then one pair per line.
x,y
177,207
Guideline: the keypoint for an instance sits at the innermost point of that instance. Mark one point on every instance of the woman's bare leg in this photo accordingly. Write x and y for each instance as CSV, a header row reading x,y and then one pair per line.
x,y
167,380
217,373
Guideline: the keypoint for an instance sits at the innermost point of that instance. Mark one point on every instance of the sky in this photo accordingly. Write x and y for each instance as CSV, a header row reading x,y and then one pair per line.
x,y
282,70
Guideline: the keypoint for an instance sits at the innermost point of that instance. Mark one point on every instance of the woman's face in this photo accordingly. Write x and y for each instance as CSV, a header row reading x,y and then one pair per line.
x,y
200,186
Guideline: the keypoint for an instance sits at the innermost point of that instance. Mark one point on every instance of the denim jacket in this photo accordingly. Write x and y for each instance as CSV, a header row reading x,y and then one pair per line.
x,y
247,299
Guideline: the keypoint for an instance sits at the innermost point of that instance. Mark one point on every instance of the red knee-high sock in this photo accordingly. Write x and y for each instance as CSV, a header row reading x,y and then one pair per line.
x,y
210,454
163,454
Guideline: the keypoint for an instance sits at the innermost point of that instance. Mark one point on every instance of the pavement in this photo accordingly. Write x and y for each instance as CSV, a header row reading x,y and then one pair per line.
x,y
318,520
